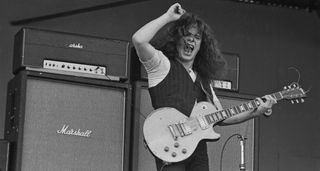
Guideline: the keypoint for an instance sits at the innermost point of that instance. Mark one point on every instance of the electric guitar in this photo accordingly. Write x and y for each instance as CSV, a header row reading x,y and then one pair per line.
x,y
173,137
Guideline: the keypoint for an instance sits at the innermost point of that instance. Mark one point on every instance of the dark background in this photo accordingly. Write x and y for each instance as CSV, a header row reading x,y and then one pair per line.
x,y
269,36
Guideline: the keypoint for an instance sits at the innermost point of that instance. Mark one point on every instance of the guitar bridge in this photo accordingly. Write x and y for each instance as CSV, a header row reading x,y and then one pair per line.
x,y
173,132
185,128
179,129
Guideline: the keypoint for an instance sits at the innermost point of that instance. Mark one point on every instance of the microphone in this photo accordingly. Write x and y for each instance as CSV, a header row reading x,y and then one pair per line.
x,y
242,154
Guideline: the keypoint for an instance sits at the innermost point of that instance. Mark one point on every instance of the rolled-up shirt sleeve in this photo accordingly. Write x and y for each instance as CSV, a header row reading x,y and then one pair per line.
x,y
157,68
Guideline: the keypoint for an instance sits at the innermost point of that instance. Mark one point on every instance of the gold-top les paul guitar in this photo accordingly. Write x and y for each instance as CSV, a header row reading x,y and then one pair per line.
x,y
173,137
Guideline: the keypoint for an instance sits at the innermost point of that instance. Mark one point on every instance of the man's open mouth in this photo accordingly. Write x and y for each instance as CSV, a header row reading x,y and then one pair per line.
x,y
188,48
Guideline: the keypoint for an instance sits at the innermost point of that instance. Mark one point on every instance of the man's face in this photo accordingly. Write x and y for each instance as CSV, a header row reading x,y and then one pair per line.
x,y
189,45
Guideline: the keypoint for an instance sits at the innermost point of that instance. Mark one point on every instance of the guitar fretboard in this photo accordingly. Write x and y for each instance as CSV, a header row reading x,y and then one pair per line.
x,y
244,107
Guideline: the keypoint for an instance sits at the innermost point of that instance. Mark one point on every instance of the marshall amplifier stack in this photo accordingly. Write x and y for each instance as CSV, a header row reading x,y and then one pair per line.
x,y
71,54
69,104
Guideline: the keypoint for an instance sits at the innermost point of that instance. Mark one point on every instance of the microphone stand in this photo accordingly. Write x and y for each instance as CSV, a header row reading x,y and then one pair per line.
x,y
242,153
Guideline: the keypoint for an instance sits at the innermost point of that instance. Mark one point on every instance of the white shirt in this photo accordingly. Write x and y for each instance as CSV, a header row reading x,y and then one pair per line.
x,y
158,68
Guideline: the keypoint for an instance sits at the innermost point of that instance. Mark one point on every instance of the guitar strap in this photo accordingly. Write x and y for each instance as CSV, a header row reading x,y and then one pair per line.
x,y
212,97
215,99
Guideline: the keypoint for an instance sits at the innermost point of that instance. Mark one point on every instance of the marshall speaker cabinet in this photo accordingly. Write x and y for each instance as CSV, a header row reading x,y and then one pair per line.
x,y
68,53
56,123
4,155
142,159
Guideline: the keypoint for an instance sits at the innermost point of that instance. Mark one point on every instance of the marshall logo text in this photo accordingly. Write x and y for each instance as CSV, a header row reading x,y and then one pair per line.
x,y
69,131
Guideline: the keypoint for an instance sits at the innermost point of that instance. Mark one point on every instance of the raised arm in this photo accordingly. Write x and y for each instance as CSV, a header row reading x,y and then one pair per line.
x,y
141,39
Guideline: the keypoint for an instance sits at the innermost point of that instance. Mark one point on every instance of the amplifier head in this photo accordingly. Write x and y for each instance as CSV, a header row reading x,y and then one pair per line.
x,y
33,47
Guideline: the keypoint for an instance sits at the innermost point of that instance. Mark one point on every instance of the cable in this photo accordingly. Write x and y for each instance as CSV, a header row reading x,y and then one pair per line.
x,y
164,164
162,167
294,68
224,145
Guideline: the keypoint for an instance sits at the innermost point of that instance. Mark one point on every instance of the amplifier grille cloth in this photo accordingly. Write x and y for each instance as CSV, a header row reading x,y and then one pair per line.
x,y
50,105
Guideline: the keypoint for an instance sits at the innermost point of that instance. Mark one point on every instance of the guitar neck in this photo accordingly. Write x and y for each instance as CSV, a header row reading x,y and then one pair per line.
x,y
244,107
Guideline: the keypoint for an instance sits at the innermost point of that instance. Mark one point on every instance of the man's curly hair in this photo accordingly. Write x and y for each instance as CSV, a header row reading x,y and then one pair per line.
x,y
209,62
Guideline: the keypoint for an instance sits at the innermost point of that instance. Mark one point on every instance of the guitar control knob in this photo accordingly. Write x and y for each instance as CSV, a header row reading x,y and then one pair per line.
x,y
173,154
166,149
184,151
176,145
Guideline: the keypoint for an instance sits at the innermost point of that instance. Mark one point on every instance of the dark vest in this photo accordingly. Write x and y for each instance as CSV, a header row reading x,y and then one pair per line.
x,y
177,90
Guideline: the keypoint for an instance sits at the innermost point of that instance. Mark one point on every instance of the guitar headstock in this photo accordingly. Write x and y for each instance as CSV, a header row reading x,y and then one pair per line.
x,y
294,93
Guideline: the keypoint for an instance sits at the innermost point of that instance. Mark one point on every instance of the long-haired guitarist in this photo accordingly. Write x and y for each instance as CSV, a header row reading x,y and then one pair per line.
x,y
181,60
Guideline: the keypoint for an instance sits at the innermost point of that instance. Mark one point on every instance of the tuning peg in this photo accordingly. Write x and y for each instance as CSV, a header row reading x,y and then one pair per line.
x,y
297,100
302,100
292,101
285,87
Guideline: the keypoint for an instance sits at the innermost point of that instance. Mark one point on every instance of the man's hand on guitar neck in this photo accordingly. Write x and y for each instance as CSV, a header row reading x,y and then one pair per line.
x,y
266,103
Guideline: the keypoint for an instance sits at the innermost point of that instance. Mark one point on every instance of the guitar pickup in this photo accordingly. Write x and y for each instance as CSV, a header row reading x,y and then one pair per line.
x,y
202,122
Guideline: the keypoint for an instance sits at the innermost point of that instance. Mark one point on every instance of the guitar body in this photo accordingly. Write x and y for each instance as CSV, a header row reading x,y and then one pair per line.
x,y
160,127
